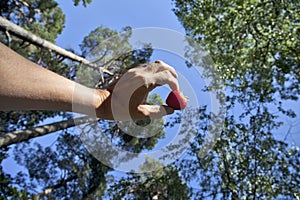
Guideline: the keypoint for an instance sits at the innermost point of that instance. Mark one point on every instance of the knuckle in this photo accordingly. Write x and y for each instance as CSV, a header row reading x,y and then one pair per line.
x,y
142,66
159,62
142,79
132,70
168,74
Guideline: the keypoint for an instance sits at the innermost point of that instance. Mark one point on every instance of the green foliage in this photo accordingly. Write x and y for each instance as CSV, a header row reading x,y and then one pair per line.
x,y
124,134
41,17
164,183
6,188
249,40
45,19
255,47
133,144
65,170
84,2
111,50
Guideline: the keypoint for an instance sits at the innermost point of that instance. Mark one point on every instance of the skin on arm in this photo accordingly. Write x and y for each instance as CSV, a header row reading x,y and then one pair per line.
x,y
25,85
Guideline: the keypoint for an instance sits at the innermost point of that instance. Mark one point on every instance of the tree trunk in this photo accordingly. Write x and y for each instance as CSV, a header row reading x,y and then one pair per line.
x,y
24,135
18,31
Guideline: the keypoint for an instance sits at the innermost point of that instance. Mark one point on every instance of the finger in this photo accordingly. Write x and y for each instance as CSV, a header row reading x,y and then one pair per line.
x,y
161,66
155,111
165,77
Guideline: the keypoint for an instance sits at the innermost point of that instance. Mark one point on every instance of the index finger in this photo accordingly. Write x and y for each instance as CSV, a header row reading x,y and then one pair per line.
x,y
165,77
163,66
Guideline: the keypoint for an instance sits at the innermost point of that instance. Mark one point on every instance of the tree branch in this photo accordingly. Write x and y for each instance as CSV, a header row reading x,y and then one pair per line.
x,y
49,190
28,36
8,38
24,135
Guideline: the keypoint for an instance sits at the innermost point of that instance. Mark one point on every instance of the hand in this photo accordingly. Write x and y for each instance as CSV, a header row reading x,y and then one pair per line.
x,y
126,99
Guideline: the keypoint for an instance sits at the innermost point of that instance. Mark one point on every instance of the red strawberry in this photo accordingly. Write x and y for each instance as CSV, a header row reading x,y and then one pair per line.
x,y
176,100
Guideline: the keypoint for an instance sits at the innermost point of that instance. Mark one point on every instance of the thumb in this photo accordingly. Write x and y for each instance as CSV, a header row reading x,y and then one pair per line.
x,y
157,111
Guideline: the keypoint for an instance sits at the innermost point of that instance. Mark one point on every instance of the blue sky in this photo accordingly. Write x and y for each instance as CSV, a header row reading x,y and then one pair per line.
x,y
115,15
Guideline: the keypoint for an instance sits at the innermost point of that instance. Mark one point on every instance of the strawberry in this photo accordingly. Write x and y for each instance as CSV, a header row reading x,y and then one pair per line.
x,y
176,100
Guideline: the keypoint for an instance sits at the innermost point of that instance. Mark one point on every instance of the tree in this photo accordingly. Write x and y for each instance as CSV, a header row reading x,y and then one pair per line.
x,y
29,37
32,15
68,169
249,41
52,169
24,135
162,183
64,171
120,58
255,47
45,19
113,51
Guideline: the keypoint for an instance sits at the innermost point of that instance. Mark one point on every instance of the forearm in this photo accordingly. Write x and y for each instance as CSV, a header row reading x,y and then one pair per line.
x,y
27,86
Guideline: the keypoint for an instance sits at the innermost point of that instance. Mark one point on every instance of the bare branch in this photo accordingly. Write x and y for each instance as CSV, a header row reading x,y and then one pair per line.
x,y
24,135
8,38
28,36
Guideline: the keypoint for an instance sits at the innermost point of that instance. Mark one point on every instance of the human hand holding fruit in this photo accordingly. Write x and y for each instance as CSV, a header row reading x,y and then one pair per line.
x,y
127,98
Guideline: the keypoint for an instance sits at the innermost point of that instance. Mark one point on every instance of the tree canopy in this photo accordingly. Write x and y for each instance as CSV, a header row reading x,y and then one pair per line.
x,y
255,46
